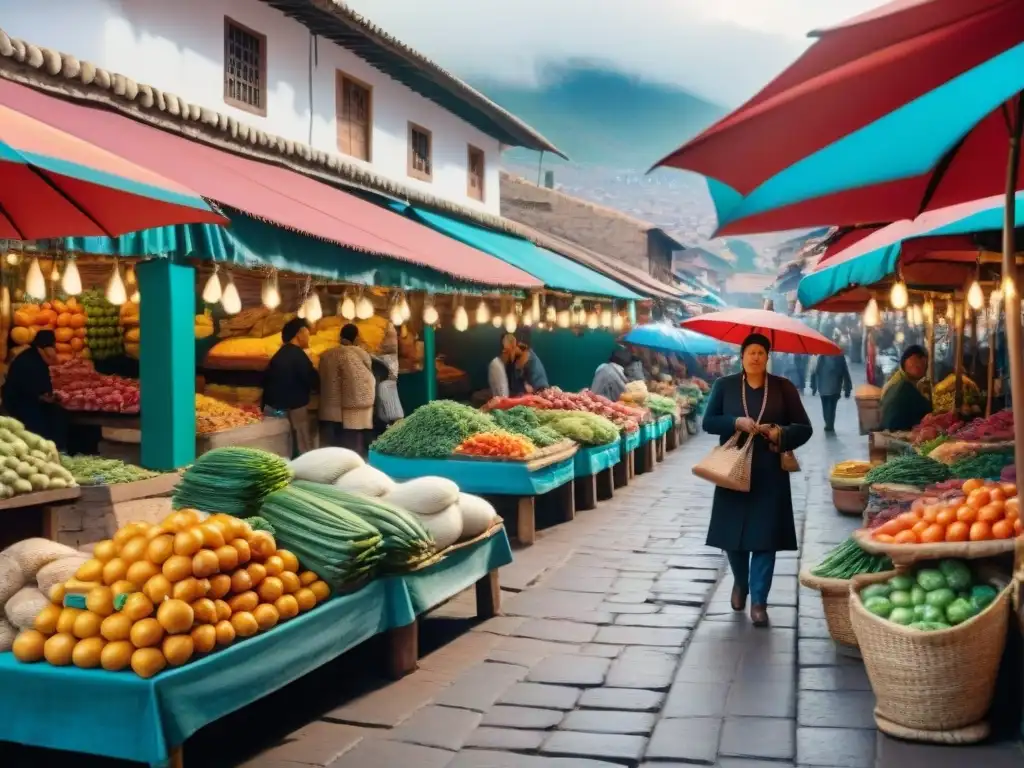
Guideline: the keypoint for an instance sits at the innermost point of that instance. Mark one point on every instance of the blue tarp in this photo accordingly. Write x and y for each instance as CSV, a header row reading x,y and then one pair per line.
x,y
596,458
668,338
486,478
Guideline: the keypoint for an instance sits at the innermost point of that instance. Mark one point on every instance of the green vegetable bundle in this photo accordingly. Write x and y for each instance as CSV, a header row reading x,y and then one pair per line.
x,y
93,470
982,465
405,541
234,480
910,469
433,431
661,405
521,420
930,445
583,427
258,523
849,560
338,546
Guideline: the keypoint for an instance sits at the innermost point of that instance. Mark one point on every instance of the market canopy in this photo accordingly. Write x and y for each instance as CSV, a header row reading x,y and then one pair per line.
x,y
553,269
269,192
666,338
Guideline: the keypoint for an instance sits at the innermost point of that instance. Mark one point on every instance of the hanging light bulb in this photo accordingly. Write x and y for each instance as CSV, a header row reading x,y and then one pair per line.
x,y
116,293
871,316
510,323
617,322
975,296
13,259
404,308
593,321
1008,289
314,309
364,307
430,316
35,285
269,293
899,297
129,277
918,315
928,311
551,314
497,321
535,308
395,316
347,307
528,319
71,283
606,317
461,320
563,319
230,300
483,312
949,312
212,292
55,272
995,299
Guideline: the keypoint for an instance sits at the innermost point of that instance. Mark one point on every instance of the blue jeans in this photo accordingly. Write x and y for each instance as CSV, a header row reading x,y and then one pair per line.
x,y
753,571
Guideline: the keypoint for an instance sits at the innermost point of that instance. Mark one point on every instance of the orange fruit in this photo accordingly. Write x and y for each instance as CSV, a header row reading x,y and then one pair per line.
x,y
1003,529
1010,489
1013,505
979,498
966,514
946,516
920,527
1018,527
905,537
958,532
933,533
972,485
990,513
996,494
885,538
981,531
889,528
930,513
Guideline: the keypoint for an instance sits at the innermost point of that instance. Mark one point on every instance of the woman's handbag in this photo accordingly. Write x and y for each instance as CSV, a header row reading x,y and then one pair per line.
x,y
728,466
789,462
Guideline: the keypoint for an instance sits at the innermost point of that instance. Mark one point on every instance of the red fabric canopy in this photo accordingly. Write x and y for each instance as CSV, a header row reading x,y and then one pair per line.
x,y
267,191
786,334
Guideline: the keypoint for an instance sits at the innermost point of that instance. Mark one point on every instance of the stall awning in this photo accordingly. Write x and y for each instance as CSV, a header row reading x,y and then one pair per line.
x,y
555,270
269,192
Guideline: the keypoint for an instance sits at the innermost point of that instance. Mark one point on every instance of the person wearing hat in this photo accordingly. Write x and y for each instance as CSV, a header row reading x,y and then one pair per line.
x,y
751,527
831,377
528,373
288,384
28,390
499,372
903,404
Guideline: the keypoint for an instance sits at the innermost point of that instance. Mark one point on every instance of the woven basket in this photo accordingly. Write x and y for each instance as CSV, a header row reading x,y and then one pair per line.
x,y
937,686
835,601
850,501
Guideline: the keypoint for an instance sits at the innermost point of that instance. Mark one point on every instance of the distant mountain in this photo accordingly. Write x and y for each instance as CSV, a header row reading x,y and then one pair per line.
x,y
599,116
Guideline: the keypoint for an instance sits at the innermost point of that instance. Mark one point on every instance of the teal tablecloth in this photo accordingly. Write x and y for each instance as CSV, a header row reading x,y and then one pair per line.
x,y
487,478
589,461
631,441
663,425
647,432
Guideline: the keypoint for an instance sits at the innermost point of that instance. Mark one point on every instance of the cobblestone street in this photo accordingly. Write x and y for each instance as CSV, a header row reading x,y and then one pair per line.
x,y
618,647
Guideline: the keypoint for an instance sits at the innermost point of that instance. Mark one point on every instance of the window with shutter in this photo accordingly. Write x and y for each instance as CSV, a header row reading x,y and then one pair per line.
x,y
421,164
354,109
245,68
476,173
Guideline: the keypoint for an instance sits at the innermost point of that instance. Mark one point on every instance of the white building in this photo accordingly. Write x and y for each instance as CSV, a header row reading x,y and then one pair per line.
x,y
311,72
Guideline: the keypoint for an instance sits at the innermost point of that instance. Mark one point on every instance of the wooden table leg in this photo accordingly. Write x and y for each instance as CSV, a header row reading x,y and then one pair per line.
x,y
176,758
660,449
568,501
488,596
526,524
649,460
620,473
631,458
585,492
605,481
403,650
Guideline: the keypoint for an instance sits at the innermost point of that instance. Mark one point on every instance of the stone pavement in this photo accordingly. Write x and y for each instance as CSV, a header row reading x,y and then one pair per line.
x,y
618,647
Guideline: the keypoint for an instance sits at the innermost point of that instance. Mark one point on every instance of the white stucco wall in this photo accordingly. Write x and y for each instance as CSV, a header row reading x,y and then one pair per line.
x,y
179,47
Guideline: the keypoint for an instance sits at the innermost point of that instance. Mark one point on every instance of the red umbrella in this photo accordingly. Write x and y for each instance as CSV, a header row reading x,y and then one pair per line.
x,y
786,334
53,184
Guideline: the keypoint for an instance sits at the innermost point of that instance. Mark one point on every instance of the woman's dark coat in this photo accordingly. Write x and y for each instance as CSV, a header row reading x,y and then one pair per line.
x,y
761,520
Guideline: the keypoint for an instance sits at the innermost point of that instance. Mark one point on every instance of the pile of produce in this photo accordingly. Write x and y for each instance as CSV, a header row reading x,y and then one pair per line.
x,y
635,394
944,394
233,480
433,431
910,469
28,463
848,560
157,596
66,320
212,415
239,396
128,318
77,387
850,473
102,330
934,425
497,444
930,599
662,406
982,511
521,420
93,470
987,465
28,570
203,327
925,448
625,417
583,427
997,428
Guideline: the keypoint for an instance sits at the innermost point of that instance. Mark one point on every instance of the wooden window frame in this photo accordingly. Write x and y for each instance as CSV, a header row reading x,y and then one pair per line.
x,y
410,168
339,80
261,111
470,151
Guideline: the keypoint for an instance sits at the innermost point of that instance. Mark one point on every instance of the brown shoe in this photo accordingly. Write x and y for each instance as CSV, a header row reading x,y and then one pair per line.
x,y
739,599
759,615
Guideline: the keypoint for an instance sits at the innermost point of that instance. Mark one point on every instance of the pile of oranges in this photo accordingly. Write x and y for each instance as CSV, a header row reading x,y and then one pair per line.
x,y
987,511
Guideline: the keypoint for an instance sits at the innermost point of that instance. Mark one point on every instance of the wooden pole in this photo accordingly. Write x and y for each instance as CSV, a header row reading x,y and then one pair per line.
x,y
1011,292
990,389
959,311
930,336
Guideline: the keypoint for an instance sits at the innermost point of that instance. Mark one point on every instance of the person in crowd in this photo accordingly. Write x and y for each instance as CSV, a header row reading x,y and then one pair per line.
x,y
610,378
288,384
347,392
389,404
903,402
634,369
751,527
499,371
528,374
830,378
28,390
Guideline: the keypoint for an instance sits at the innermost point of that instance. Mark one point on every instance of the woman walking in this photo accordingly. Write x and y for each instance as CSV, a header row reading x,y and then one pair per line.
x,y
752,527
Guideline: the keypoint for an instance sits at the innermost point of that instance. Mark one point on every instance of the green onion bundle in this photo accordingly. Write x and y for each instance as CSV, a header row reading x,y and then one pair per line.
x,y
234,480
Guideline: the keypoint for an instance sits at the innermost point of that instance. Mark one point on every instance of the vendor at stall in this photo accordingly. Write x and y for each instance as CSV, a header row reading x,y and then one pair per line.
x,y
903,404
347,393
389,404
288,384
528,373
610,378
498,377
634,370
28,390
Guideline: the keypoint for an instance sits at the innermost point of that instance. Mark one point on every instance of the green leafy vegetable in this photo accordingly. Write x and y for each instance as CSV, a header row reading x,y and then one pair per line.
x,y
93,470
583,427
521,420
433,431
910,469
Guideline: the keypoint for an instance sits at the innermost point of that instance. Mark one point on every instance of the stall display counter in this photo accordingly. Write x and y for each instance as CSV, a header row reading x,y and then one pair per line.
x,y
625,470
645,455
663,427
592,469
34,514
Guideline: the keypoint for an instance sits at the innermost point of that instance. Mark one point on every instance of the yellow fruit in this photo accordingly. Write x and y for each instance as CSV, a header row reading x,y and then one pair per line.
x,y
245,624
146,633
115,570
57,594
204,638
241,546
156,532
242,529
225,633
86,654
257,573
105,551
158,588
271,589
290,561
205,611
223,610
213,537
290,581
320,590
287,607
177,521
66,621
240,581
148,662
307,578
204,587
140,572
227,558
205,563
100,601
125,587
178,649
127,533
306,599
57,650
28,646
187,543
266,617
220,585
178,567
274,565
262,545
245,602
175,616
134,549
160,549
46,620
116,655
137,607
90,570
189,590
116,627
87,624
